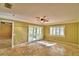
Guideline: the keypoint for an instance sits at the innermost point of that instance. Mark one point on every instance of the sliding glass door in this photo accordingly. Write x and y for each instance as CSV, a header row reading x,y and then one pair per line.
x,y
35,33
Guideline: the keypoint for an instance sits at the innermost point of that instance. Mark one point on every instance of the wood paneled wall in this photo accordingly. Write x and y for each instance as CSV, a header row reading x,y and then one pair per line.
x,y
5,30
20,32
71,33
78,34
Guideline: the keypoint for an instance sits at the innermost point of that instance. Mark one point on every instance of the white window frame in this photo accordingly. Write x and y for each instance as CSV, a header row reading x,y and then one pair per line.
x,y
55,29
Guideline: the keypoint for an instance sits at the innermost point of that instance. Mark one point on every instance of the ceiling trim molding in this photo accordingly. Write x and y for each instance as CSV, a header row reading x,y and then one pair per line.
x,y
10,17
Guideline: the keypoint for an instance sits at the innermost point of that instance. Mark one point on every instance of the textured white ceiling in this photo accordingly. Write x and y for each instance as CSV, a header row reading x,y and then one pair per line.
x,y
55,12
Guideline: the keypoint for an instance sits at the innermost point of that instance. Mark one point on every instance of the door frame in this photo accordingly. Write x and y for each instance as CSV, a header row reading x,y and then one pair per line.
x,y
12,38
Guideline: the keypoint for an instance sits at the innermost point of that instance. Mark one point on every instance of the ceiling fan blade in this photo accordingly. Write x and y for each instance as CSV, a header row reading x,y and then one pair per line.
x,y
44,16
46,20
38,17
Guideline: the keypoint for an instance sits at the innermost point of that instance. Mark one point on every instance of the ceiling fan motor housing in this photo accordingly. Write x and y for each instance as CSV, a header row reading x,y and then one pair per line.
x,y
42,19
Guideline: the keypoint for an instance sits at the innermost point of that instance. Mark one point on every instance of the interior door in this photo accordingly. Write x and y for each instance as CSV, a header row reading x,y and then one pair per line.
x,y
6,30
35,33
5,34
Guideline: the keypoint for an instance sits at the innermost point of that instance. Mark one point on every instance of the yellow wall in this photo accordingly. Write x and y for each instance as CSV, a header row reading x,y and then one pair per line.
x,y
20,32
71,33
78,34
0,29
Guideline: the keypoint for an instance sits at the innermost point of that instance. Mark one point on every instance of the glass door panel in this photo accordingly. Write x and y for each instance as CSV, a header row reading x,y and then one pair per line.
x,y
34,33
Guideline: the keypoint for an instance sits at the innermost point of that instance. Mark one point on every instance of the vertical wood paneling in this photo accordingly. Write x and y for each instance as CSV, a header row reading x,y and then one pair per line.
x,y
0,30
20,31
71,33
5,30
78,34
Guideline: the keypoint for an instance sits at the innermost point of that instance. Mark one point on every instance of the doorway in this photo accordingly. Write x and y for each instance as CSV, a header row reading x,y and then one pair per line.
x,y
5,34
35,33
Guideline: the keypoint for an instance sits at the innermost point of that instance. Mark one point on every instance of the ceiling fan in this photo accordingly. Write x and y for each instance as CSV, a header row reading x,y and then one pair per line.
x,y
42,19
